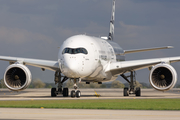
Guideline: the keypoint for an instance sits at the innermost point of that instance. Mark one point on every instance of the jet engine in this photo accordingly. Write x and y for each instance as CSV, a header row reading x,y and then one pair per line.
x,y
163,77
17,77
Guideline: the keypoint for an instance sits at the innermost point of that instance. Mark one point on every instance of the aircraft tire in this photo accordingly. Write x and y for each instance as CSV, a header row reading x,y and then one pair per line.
x,y
73,93
53,92
78,94
126,91
65,92
138,91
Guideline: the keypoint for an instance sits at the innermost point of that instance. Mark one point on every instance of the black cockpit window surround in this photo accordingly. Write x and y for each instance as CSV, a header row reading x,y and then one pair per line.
x,y
74,50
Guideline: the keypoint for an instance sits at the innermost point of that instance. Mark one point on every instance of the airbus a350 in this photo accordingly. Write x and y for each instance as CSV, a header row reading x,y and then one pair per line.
x,y
84,58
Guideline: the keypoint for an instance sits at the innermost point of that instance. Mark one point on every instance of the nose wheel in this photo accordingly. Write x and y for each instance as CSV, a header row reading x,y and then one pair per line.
x,y
75,93
78,94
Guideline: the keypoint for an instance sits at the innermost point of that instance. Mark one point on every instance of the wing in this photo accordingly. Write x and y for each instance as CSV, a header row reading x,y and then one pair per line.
x,y
46,64
146,49
117,68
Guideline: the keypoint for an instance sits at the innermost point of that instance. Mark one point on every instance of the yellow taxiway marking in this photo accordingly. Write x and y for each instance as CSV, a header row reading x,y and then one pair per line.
x,y
97,95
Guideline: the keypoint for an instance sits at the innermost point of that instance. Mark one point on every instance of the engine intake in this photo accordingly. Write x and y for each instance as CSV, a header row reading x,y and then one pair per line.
x,y
163,77
17,77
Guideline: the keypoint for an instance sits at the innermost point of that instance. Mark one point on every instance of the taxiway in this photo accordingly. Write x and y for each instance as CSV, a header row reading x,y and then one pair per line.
x,y
78,114
44,94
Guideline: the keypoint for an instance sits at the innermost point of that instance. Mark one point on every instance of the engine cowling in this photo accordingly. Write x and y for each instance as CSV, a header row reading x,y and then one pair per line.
x,y
163,77
17,77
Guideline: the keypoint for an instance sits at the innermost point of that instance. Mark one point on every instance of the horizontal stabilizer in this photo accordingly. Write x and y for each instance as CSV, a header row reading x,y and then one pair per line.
x,y
146,49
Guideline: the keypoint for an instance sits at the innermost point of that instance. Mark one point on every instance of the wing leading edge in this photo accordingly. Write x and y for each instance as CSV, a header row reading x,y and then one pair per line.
x,y
146,49
117,68
46,64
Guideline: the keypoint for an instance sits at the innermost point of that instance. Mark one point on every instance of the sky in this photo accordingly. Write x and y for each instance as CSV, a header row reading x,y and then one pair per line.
x,y
36,28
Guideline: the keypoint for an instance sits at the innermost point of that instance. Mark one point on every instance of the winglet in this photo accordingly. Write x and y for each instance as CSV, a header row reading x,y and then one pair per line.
x,y
111,31
168,47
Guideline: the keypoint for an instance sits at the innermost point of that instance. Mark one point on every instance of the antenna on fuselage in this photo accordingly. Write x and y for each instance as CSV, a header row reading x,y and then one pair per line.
x,y
111,31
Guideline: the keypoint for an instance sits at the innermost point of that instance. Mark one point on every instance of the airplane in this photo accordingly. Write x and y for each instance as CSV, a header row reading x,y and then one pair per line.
x,y
84,58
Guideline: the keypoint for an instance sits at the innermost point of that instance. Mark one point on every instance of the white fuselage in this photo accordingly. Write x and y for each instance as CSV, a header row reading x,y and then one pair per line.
x,y
88,57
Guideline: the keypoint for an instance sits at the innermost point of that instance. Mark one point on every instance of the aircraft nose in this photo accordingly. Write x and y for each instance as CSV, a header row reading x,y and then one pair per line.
x,y
72,67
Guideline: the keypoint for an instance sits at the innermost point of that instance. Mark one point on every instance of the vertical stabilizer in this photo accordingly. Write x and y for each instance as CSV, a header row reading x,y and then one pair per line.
x,y
111,31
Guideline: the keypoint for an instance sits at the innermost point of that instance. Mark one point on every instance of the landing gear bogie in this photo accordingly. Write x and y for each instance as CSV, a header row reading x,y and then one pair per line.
x,y
59,79
132,83
60,90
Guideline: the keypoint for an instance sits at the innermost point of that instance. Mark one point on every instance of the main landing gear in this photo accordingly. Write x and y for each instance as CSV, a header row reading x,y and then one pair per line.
x,y
76,92
59,90
132,89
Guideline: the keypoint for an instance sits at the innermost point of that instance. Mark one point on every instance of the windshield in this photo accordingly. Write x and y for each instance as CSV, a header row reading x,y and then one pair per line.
x,y
74,50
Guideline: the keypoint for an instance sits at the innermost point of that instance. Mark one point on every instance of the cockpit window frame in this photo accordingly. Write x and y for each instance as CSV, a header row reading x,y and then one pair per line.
x,y
75,50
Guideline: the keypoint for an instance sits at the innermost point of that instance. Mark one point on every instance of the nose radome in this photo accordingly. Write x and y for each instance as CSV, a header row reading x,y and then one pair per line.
x,y
73,68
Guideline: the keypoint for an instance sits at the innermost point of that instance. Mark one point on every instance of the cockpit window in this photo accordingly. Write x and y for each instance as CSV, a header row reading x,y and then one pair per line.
x,y
74,50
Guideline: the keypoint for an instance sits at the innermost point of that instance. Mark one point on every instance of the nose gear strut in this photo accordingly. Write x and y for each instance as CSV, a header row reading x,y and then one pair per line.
x,y
76,92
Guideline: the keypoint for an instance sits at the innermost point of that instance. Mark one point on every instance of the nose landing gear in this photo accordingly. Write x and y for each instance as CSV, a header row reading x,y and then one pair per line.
x,y
75,93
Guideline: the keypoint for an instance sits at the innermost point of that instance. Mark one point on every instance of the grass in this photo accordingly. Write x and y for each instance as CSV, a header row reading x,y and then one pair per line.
x,y
119,104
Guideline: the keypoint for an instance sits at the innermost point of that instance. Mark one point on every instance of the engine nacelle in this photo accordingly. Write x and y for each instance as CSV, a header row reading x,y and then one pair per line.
x,y
17,77
163,77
